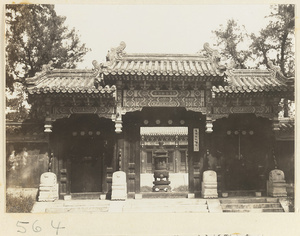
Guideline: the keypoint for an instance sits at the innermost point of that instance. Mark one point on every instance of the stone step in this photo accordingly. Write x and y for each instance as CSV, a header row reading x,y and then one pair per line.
x,y
76,209
248,200
168,202
166,205
167,209
250,206
255,210
164,194
79,203
244,193
88,195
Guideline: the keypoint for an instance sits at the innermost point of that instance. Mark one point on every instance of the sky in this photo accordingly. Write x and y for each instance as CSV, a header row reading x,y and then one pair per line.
x,y
155,28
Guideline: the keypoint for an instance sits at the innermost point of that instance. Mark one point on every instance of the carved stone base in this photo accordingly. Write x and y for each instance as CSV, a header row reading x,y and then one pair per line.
x,y
161,188
209,190
48,193
209,184
276,185
277,189
119,186
48,189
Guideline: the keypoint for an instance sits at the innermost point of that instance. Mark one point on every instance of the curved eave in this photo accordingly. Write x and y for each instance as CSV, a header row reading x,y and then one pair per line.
x,y
72,90
223,90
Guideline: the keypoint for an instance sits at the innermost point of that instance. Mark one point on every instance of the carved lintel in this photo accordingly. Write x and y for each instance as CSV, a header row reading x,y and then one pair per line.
x,y
219,116
55,117
265,115
130,109
197,109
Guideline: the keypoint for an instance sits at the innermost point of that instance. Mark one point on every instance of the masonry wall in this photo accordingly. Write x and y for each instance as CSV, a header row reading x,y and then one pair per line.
x,y
25,162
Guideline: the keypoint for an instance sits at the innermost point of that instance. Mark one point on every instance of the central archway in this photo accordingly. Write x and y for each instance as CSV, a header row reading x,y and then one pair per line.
x,y
175,128
175,142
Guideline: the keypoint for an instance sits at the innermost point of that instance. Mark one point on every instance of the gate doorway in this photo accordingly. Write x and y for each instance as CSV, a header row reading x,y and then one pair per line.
x,y
84,146
86,165
175,142
243,143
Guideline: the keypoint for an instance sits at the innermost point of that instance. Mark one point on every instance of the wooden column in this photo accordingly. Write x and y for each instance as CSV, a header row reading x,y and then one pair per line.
x,y
137,164
208,100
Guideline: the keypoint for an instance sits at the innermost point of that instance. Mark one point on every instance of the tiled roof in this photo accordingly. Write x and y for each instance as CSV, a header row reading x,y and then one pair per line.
x,y
148,64
251,80
203,64
162,131
67,81
286,130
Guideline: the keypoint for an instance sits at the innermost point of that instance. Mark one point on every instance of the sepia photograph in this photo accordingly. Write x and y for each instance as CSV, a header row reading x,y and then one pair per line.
x,y
108,110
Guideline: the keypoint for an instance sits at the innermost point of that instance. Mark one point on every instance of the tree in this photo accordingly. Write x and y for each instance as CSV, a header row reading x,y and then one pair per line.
x,y
230,40
36,35
277,39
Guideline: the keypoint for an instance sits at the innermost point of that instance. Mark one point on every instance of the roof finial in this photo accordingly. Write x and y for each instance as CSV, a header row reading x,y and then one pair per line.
x,y
274,68
47,67
214,56
98,73
116,53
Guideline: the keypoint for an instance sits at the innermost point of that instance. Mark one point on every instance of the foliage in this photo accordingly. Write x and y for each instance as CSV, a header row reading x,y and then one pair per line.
x,y
20,204
36,35
277,38
16,104
230,39
276,41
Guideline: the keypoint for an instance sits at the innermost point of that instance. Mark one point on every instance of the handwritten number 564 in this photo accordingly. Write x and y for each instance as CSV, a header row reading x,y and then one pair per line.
x,y
35,228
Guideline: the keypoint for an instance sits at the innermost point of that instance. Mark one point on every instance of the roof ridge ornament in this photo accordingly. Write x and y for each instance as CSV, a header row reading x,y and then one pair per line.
x,y
98,72
214,56
116,53
275,68
47,67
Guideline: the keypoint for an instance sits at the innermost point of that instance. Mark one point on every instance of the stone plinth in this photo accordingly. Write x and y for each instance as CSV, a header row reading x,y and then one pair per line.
x,y
119,186
276,185
209,184
48,189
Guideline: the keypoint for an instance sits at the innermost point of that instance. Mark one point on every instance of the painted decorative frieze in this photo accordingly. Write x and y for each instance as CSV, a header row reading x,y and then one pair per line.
x,y
163,98
101,111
